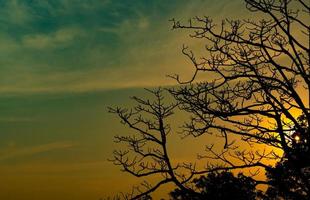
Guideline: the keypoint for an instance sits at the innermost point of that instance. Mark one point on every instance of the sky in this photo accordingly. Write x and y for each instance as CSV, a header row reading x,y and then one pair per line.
x,y
62,63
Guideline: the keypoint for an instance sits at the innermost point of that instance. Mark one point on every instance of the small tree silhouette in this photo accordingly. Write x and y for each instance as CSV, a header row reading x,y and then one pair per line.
x,y
221,186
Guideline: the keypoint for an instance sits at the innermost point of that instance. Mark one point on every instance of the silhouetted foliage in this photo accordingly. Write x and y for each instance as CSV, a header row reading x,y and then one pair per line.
x,y
258,83
221,186
290,178
127,196
288,182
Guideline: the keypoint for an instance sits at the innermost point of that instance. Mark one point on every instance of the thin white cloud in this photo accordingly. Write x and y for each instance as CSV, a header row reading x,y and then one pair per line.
x,y
28,151
58,38
16,119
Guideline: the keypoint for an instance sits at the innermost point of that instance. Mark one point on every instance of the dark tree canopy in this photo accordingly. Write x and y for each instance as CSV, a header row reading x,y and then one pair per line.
x,y
221,186
257,89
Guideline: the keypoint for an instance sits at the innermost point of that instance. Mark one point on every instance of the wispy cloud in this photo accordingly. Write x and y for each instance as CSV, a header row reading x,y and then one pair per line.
x,y
73,46
16,119
59,38
33,150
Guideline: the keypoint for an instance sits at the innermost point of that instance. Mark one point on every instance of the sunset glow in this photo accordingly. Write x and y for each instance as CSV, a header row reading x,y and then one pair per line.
x,y
64,62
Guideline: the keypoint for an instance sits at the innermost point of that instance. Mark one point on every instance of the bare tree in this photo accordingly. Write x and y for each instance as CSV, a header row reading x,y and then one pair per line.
x,y
146,153
257,90
260,85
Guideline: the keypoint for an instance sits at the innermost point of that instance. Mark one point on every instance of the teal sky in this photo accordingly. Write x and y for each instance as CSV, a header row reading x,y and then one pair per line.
x,y
62,63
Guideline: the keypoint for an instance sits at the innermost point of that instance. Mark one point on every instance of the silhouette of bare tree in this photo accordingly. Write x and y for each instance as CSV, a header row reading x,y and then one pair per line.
x,y
147,153
258,83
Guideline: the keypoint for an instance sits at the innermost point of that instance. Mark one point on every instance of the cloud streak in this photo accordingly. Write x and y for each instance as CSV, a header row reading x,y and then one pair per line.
x,y
101,45
33,150
59,38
